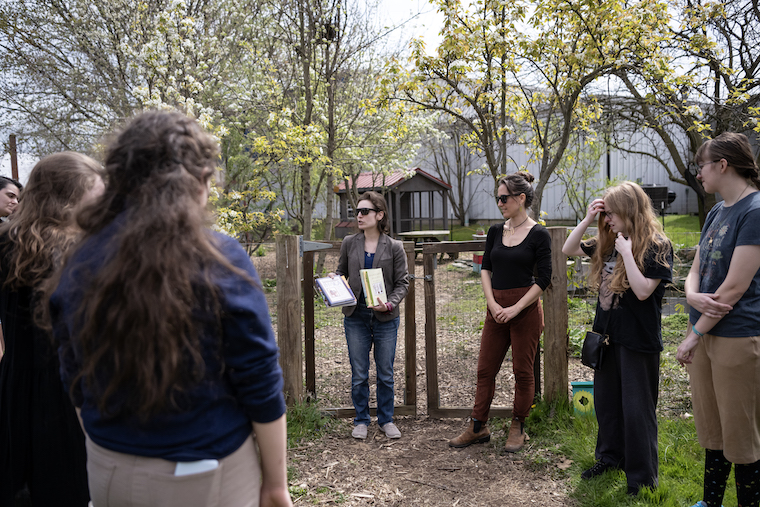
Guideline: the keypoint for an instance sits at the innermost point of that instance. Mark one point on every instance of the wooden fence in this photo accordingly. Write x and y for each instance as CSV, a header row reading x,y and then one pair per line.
x,y
291,284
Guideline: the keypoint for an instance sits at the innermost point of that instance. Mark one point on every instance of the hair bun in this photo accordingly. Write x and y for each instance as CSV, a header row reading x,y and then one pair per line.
x,y
528,177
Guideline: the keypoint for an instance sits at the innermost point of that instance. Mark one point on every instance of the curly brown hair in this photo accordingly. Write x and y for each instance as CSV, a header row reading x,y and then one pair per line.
x,y
43,228
141,330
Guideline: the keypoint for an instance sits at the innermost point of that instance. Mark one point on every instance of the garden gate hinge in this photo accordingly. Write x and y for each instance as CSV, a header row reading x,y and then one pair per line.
x,y
310,246
427,278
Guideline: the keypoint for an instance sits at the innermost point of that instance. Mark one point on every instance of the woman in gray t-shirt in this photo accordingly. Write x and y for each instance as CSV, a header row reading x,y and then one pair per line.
x,y
722,346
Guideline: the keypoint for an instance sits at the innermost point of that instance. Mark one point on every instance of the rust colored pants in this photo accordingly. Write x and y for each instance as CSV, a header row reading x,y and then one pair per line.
x,y
521,333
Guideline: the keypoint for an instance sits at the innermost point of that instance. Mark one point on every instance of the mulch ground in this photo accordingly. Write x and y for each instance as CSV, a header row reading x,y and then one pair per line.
x,y
420,468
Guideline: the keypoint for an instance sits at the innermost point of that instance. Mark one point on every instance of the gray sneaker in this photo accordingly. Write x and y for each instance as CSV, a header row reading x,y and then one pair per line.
x,y
390,430
360,431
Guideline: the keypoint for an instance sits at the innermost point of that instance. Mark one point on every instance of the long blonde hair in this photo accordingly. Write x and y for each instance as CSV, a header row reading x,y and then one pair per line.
x,y
629,202
43,228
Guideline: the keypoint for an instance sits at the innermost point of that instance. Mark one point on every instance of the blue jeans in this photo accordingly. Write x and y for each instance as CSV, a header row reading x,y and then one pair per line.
x,y
362,331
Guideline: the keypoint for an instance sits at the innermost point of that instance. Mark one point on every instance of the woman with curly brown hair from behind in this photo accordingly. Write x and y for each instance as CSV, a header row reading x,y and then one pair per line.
x,y
167,345
41,443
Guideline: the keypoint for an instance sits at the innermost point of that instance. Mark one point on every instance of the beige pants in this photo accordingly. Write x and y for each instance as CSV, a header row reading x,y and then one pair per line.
x,y
125,480
725,391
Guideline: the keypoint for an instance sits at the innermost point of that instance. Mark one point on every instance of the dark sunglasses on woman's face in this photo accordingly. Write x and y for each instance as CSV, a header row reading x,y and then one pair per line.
x,y
364,211
503,198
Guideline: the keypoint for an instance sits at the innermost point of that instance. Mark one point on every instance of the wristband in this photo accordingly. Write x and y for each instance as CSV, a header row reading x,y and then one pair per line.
x,y
697,332
389,306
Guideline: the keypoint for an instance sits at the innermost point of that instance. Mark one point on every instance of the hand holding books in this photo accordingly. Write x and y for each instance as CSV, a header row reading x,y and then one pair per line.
x,y
335,291
373,286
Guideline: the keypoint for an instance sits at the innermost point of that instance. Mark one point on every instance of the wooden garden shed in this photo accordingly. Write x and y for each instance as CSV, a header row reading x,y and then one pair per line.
x,y
417,201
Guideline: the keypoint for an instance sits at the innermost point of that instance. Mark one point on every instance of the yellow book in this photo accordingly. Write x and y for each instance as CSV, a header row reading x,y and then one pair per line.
x,y
373,285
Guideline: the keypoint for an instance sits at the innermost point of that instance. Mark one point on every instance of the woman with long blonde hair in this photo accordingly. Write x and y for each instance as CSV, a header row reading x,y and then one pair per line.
x,y
41,443
631,263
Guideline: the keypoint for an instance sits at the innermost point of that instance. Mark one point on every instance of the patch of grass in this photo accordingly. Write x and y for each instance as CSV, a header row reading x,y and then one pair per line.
x,y
683,230
305,422
681,223
580,317
269,284
574,437
674,328
462,233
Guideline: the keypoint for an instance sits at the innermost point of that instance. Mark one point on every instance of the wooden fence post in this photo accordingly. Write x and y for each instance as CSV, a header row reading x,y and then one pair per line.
x,y
555,313
289,317
14,156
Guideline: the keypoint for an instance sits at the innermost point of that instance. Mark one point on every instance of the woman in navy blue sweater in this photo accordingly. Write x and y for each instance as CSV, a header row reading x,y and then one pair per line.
x,y
166,343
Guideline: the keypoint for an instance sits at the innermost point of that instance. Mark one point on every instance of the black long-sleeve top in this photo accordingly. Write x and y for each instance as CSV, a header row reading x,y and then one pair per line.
x,y
521,265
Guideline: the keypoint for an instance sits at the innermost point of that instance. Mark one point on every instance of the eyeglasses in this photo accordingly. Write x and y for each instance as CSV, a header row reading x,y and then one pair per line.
x,y
703,164
503,198
365,211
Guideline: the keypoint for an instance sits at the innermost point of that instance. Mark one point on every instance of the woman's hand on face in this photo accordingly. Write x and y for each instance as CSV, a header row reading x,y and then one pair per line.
x,y
708,305
685,351
596,207
623,245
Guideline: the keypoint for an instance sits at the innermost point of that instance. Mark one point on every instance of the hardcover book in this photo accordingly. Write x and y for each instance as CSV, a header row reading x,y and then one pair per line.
x,y
336,291
373,285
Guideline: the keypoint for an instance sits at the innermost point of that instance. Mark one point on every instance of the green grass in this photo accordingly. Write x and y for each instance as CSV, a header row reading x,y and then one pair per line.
x,y
555,427
462,233
681,223
305,422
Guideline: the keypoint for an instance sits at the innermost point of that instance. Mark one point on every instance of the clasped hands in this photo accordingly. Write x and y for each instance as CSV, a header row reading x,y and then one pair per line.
x,y
502,315
708,305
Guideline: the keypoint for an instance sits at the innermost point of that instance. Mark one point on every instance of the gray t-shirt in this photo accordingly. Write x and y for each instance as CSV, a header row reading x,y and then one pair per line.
x,y
727,227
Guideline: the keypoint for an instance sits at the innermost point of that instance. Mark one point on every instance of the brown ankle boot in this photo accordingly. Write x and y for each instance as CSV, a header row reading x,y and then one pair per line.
x,y
517,437
470,437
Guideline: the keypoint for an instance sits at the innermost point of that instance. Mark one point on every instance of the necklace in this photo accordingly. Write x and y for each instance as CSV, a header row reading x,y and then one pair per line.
x,y
740,195
509,231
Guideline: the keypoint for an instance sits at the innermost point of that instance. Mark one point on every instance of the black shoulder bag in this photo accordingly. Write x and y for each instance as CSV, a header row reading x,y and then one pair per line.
x,y
595,344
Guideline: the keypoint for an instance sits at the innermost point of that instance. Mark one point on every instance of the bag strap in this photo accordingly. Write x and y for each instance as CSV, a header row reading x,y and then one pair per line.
x,y
609,314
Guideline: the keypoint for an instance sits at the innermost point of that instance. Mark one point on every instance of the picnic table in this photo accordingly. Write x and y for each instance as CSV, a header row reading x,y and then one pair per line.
x,y
420,237
423,236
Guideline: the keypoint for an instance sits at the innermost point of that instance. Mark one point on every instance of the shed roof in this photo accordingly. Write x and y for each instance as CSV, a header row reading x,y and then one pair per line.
x,y
371,181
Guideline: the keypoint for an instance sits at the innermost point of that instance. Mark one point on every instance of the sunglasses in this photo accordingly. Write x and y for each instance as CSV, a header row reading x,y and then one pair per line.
x,y
503,198
365,211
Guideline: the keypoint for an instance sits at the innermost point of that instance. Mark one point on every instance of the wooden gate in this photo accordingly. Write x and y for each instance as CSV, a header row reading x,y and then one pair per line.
x,y
555,350
409,407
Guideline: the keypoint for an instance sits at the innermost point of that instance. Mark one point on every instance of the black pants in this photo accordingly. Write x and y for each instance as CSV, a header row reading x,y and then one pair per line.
x,y
625,397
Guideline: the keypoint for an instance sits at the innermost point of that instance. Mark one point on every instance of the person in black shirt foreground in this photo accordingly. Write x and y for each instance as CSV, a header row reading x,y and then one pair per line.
x,y
515,250
631,263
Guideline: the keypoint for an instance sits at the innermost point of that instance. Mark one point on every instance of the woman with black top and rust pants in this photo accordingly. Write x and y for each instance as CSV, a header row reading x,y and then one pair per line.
x,y
515,250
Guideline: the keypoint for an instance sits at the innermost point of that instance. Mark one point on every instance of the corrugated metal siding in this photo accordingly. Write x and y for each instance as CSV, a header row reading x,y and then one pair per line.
x,y
639,168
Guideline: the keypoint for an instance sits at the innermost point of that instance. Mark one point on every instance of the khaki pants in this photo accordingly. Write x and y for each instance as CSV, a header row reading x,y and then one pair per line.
x,y
725,392
125,480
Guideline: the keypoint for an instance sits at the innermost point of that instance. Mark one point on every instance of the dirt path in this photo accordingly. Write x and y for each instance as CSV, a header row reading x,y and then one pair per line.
x,y
420,468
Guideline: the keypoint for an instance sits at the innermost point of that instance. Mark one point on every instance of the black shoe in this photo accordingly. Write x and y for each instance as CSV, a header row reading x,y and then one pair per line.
x,y
598,469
